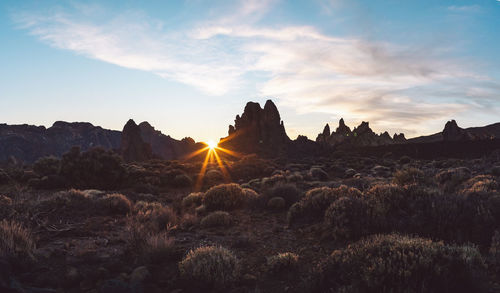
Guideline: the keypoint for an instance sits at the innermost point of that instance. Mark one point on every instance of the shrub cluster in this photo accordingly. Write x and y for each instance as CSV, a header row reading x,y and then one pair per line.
x,y
115,203
315,202
408,176
16,242
224,197
286,261
395,263
95,168
217,219
211,266
154,215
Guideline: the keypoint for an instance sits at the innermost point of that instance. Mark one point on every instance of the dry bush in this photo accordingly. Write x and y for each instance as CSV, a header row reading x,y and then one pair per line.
x,y
313,205
154,215
192,199
450,179
95,168
289,192
408,176
115,203
347,219
157,248
211,266
189,221
394,263
250,167
73,200
318,174
6,208
217,219
282,262
16,242
46,166
224,197
480,185
276,203
183,180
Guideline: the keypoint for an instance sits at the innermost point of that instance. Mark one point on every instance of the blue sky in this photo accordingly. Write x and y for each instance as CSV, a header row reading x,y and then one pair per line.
x,y
188,67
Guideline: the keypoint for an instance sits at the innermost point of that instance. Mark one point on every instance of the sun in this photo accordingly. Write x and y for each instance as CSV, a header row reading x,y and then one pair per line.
x,y
211,144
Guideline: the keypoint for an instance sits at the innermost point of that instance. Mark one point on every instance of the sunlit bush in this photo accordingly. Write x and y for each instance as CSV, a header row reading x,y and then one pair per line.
x,y
224,197
394,263
115,204
313,205
347,218
213,267
16,242
286,261
408,176
217,219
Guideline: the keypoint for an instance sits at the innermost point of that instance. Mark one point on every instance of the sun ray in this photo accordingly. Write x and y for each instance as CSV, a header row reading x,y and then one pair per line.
x,y
225,173
199,180
189,156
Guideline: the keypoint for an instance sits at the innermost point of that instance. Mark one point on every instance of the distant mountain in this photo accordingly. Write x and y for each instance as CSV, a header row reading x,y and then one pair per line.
x,y
27,143
452,132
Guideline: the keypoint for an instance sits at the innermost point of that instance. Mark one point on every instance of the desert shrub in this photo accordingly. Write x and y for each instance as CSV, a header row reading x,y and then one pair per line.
x,y
494,251
4,177
189,221
224,197
252,197
115,203
286,261
192,199
217,219
47,166
318,174
347,219
5,207
388,205
451,178
201,210
276,203
394,263
183,180
210,266
71,201
289,192
95,168
213,177
317,200
157,248
154,215
480,185
408,176
16,242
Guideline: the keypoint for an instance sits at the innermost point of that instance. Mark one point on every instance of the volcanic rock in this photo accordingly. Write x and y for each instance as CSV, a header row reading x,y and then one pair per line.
x,y
257,130
452,132
133,147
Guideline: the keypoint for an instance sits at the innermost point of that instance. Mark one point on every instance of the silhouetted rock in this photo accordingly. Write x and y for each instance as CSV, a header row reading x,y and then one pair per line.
x,y
258,130
342,129
452,132
133,147
324,136
163,145
399,138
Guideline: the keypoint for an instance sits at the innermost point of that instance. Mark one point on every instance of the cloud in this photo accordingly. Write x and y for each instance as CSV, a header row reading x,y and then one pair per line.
x,y
302,67
465,8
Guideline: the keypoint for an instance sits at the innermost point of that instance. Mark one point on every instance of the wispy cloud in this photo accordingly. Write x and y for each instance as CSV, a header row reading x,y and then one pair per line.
x,y
302,67
465,8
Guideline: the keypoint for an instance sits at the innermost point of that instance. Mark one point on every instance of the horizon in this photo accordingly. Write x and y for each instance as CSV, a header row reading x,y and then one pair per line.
x,y
189,67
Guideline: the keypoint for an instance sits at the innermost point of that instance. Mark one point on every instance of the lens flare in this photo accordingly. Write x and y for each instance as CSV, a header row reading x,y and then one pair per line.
x,y
211,144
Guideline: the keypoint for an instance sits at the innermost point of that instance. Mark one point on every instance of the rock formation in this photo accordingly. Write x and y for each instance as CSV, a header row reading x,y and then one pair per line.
x,y
258,130
133,148
362,135
452,132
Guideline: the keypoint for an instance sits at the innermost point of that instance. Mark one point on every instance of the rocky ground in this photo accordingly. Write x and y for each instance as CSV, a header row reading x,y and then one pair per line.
x,y
137,234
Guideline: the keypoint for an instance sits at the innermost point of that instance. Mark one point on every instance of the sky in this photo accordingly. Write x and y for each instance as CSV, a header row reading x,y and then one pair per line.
x,y
189,67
